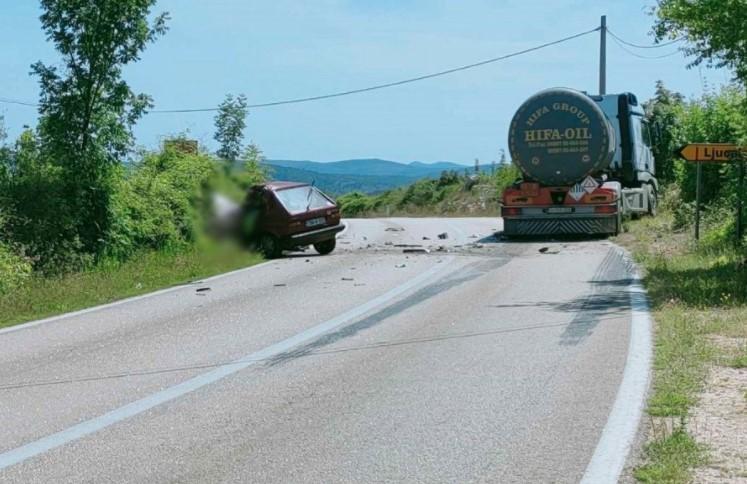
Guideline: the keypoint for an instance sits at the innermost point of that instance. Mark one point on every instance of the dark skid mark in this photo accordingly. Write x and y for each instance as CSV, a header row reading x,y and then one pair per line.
x,y
468,273
609,296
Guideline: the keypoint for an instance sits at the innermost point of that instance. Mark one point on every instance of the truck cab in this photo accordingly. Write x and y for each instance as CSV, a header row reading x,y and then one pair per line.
x,y
633,161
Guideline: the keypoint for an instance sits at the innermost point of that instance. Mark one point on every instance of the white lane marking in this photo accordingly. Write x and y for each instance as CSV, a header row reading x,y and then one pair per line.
x,y
167,290
19,454
619,432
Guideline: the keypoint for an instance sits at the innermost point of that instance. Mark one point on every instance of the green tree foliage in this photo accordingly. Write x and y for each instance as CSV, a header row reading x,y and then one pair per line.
x,y
253,170
87,110
229,127
160,203
715,31
663,112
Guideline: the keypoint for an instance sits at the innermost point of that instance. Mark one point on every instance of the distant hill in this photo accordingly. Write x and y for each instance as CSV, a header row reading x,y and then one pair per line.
x,y
365,175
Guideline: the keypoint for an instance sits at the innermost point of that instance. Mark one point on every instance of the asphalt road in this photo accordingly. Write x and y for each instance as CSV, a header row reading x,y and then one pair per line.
x,y
478,361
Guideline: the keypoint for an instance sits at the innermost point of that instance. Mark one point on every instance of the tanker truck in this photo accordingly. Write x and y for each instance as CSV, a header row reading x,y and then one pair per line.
x,y
586,163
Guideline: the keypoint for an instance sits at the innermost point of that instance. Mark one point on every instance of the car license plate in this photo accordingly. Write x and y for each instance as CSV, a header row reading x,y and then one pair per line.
x,y
559,210
315,221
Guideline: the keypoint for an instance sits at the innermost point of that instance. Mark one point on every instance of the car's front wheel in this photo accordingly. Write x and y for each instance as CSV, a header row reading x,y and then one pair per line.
x,y
326,246
270,246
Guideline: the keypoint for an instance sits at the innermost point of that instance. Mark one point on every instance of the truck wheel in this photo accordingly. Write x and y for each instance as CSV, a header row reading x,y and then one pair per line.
x,y
270,246
652,200
326,246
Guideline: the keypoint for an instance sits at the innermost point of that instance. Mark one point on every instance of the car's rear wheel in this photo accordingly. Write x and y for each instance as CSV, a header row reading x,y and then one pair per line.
x,y
270,246
326,246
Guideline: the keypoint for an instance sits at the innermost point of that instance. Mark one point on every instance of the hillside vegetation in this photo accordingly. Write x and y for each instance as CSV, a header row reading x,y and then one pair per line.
x,y
452,193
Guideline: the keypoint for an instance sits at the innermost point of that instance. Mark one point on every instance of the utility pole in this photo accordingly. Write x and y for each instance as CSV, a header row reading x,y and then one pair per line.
x,y
603,56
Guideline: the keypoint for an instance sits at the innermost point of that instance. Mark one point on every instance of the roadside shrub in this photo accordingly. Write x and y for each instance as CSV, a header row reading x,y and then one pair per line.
x,y
14,269
160,203
354,204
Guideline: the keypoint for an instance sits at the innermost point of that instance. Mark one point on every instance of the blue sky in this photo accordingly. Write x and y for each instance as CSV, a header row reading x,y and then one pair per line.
x,y
278,49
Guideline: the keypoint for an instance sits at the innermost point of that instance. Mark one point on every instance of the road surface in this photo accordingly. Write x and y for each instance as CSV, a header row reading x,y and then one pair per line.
x,y
478,361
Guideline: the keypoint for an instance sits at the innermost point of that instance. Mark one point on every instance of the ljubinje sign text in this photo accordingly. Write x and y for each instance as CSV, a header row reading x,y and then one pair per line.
x,y
713,152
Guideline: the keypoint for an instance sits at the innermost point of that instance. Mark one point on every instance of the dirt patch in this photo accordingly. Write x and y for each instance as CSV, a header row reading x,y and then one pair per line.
x,y
719,421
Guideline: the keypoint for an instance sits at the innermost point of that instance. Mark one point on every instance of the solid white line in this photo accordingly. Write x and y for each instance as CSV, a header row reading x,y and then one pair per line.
x,y
19,454
59,317
619,433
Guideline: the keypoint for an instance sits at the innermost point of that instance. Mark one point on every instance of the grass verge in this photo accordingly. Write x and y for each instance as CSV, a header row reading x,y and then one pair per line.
x,y
43,297
698,296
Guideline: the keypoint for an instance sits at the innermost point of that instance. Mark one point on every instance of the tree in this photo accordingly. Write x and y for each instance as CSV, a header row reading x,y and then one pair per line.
x,y
714,29
229,127
663,112
87,110
253,172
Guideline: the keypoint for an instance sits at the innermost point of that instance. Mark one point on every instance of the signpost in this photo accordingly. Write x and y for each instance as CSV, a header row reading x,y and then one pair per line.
x,y
716,153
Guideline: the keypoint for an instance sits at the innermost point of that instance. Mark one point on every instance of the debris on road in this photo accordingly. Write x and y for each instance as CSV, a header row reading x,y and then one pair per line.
x,y
394,229
426,238
408,245
202,289
473,236
443,235
347,278
400,266
546,250
419,250
279,285
388,243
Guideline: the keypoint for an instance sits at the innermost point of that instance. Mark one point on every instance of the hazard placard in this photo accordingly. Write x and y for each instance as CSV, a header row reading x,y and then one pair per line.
x,y
577,191
589,184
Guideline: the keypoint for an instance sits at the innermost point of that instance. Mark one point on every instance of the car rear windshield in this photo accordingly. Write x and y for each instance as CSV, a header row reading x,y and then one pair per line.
x,y
301,199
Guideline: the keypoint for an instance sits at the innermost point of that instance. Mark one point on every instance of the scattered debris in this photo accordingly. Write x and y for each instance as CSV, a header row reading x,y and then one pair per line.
x,y
308,260
357,284
408,245
202,289
365,238
426,238
400,266
478,246
544,249
279,285
344,241
347,278
416,251
394,229
473,236
388,243
443,235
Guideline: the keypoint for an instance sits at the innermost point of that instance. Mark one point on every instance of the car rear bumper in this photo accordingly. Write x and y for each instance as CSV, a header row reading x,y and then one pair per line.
x,y
314,236
561,225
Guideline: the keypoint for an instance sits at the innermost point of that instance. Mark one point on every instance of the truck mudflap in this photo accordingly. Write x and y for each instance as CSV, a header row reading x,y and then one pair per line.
x,y
597,225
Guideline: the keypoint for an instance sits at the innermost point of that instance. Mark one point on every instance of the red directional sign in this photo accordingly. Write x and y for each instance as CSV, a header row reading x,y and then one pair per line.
x,y
713,152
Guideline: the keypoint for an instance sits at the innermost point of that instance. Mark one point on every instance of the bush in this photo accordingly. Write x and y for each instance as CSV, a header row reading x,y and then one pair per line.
x,y
14,269
354,204
160,203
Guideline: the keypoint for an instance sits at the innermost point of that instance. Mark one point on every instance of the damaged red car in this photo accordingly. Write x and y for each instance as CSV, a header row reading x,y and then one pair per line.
x,y
280,216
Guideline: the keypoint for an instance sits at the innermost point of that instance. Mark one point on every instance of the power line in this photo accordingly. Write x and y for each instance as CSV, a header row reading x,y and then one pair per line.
x,y
635,54
395,83
14,101
370,88
639,46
